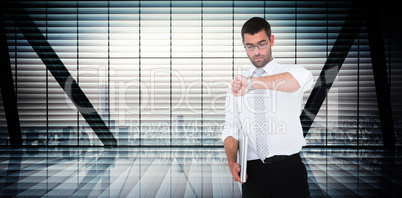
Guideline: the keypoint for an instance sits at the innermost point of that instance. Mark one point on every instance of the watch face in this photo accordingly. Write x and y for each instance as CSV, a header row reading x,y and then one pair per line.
x,y
249,83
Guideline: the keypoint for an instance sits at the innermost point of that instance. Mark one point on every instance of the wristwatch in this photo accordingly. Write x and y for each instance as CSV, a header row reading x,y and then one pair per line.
x,y
249,83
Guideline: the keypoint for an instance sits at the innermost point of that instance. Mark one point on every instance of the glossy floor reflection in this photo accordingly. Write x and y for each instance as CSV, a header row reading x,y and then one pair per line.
x,y
183,172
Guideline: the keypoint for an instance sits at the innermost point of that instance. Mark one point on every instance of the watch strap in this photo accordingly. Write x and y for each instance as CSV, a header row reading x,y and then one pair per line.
x,y
249,83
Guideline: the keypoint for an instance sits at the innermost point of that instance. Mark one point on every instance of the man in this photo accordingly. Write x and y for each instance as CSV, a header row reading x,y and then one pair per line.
x,y
265,104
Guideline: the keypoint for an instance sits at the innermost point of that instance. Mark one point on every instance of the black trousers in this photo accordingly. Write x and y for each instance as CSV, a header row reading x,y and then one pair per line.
x,y
286,178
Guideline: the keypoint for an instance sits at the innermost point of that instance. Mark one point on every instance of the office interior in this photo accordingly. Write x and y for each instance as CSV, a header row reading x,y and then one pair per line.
x,y
127,98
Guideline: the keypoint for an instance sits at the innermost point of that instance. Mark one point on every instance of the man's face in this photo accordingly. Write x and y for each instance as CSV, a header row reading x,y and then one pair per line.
x,y
259,57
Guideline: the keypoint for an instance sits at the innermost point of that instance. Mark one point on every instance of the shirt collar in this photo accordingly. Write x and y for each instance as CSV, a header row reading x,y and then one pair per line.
x,y
267,68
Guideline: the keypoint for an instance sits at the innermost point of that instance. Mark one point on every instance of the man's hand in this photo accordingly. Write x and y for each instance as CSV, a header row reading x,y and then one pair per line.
x,y
239,86
235,170
284,82
231,147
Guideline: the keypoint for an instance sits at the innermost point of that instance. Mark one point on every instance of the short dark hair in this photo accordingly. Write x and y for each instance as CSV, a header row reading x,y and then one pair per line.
x,y
255,25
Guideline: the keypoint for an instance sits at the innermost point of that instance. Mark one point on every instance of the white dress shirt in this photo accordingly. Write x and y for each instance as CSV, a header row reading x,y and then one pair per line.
x,y
285,134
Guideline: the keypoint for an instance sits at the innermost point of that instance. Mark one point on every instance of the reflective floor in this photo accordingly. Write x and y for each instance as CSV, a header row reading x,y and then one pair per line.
x,y
184,172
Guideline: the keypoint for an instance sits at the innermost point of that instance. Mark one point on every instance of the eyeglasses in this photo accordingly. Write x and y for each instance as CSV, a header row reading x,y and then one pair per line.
x,y
250,47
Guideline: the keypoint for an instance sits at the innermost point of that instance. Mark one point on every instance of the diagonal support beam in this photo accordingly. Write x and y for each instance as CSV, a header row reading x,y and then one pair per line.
x,y
7,89
359,13
334,62
53,63
382,86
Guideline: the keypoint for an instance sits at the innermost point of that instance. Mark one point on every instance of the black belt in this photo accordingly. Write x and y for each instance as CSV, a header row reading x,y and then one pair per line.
x,y
277,158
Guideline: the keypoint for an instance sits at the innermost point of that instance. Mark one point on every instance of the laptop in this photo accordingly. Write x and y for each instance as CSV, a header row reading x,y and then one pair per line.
x,y
242,156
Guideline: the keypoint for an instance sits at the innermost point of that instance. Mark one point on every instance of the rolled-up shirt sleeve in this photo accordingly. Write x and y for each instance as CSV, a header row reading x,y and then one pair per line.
x,y
231,124
303,76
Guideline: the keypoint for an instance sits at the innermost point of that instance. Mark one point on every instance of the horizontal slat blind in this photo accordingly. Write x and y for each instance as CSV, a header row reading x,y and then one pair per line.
x,y
157,72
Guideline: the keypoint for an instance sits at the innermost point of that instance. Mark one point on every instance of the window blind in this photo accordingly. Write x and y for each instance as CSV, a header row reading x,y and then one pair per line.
x,y
157,72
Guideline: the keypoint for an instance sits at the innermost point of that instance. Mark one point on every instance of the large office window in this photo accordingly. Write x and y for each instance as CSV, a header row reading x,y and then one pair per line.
x,y
157,72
